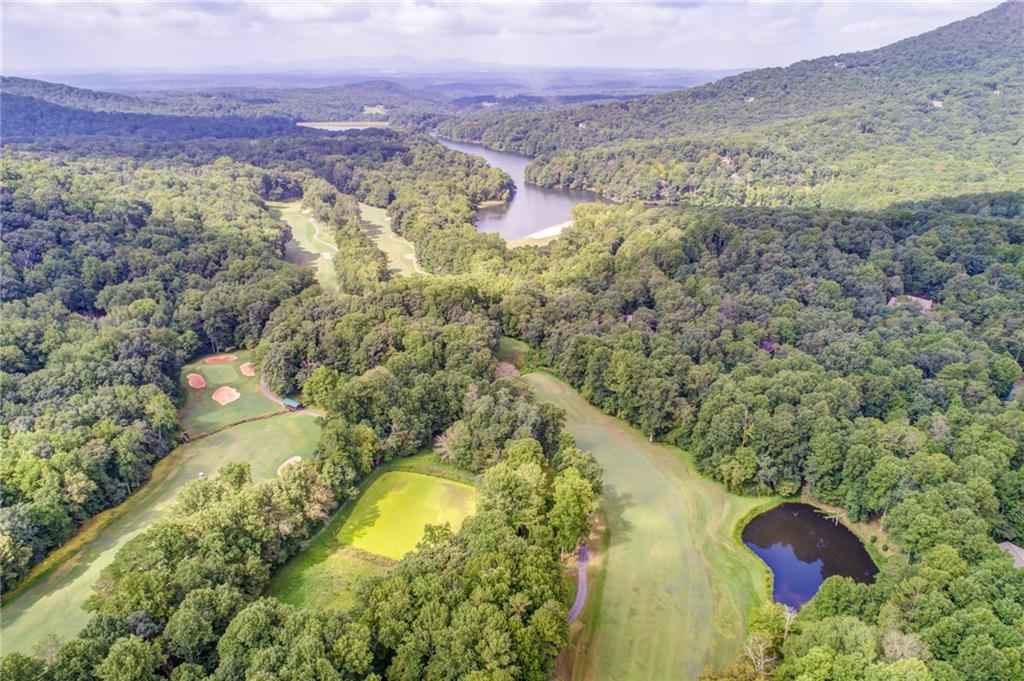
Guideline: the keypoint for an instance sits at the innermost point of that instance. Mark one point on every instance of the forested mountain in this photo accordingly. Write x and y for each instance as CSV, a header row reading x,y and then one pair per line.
x,y
933,115
27,103
764,329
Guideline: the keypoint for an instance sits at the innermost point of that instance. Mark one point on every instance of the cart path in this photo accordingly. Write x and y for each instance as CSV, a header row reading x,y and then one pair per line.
x,y
581,584
274,397
679,587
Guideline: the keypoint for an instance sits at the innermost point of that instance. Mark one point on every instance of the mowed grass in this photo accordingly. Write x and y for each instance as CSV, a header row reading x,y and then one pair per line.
x,y
50,600
201,414
401,252
678,584
310,246
398,501
390,517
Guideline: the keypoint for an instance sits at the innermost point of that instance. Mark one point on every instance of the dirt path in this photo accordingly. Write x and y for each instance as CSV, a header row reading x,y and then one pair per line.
x,y
581,584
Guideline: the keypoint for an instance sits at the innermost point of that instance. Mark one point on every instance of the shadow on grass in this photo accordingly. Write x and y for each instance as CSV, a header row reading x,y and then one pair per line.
x,y
615,505
355,526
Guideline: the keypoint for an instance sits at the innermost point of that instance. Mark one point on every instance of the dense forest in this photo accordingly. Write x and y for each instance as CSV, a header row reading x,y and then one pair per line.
x,y
761,340
937,114
114,274
869,358
117,270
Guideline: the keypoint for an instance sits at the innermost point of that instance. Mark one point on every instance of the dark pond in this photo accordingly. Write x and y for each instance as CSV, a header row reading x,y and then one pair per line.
x,y
533,208
803,548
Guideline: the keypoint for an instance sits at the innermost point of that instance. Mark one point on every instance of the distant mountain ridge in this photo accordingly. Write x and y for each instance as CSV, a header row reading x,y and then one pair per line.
x,y
954,59
937,113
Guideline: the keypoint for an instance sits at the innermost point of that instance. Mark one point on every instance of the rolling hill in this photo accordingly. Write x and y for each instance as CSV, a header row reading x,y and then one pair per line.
x,y
930,115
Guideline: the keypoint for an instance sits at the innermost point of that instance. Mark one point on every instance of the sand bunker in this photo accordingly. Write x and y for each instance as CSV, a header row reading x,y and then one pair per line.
x,y
290,462
247,369
225,395
196,381
221,359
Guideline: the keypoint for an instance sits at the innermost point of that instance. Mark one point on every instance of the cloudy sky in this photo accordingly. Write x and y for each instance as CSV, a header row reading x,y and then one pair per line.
x,y
60,36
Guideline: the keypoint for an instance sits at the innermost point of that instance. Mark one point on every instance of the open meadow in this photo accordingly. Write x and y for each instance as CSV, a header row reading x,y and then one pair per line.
x,y
678,584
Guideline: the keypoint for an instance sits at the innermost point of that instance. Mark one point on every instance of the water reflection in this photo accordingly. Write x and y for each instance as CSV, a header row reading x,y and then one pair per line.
x,y
532,208
803,548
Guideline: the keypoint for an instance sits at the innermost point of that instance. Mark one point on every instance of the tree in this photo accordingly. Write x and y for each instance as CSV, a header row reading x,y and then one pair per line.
x,y
130,659
570,513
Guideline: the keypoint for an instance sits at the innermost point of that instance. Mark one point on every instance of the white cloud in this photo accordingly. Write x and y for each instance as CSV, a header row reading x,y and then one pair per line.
x,y
41,36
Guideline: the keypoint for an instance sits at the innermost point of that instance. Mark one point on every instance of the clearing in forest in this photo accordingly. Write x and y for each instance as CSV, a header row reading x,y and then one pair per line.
x,y
49,602
309,246
678,584
401,252
372,531
391,515
204,412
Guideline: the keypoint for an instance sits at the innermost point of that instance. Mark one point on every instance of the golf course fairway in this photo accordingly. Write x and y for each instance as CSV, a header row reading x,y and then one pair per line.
x,y
401,252
678,586
50,601
309,246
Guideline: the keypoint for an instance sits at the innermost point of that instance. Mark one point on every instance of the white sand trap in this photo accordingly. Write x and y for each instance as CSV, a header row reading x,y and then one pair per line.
x,y
225,395
247,369
290,462
196,381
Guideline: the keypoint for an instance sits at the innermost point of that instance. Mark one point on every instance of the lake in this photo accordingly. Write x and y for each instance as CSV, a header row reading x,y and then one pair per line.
x,y
532,208
803,548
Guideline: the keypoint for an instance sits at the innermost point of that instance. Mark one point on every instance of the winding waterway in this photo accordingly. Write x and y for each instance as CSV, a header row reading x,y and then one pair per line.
x,y
533,208
803,548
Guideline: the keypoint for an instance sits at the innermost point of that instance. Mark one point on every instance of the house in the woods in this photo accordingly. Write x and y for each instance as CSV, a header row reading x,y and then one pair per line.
x,y
1016,552
922,304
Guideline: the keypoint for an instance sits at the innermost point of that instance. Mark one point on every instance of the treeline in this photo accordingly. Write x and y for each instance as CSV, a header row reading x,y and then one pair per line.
x,y
763,342
27,119
431,192
393,369
931,115
114,273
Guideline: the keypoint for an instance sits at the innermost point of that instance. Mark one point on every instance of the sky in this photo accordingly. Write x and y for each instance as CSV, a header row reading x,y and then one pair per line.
x,y
41,37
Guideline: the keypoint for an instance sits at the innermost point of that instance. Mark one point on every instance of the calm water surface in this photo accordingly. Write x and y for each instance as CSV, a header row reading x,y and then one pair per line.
x,y
803,548
532,208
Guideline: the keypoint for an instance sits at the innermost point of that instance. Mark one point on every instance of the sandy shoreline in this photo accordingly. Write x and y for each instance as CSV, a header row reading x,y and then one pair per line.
x,y
541,237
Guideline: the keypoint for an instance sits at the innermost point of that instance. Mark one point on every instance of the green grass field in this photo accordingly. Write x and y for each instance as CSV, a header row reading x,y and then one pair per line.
x,y
49,601
390,516
401,252
307,248
678,584
201,414
398,498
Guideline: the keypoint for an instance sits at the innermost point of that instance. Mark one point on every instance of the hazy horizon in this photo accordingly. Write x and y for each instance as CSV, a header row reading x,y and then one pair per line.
x,y
52,38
